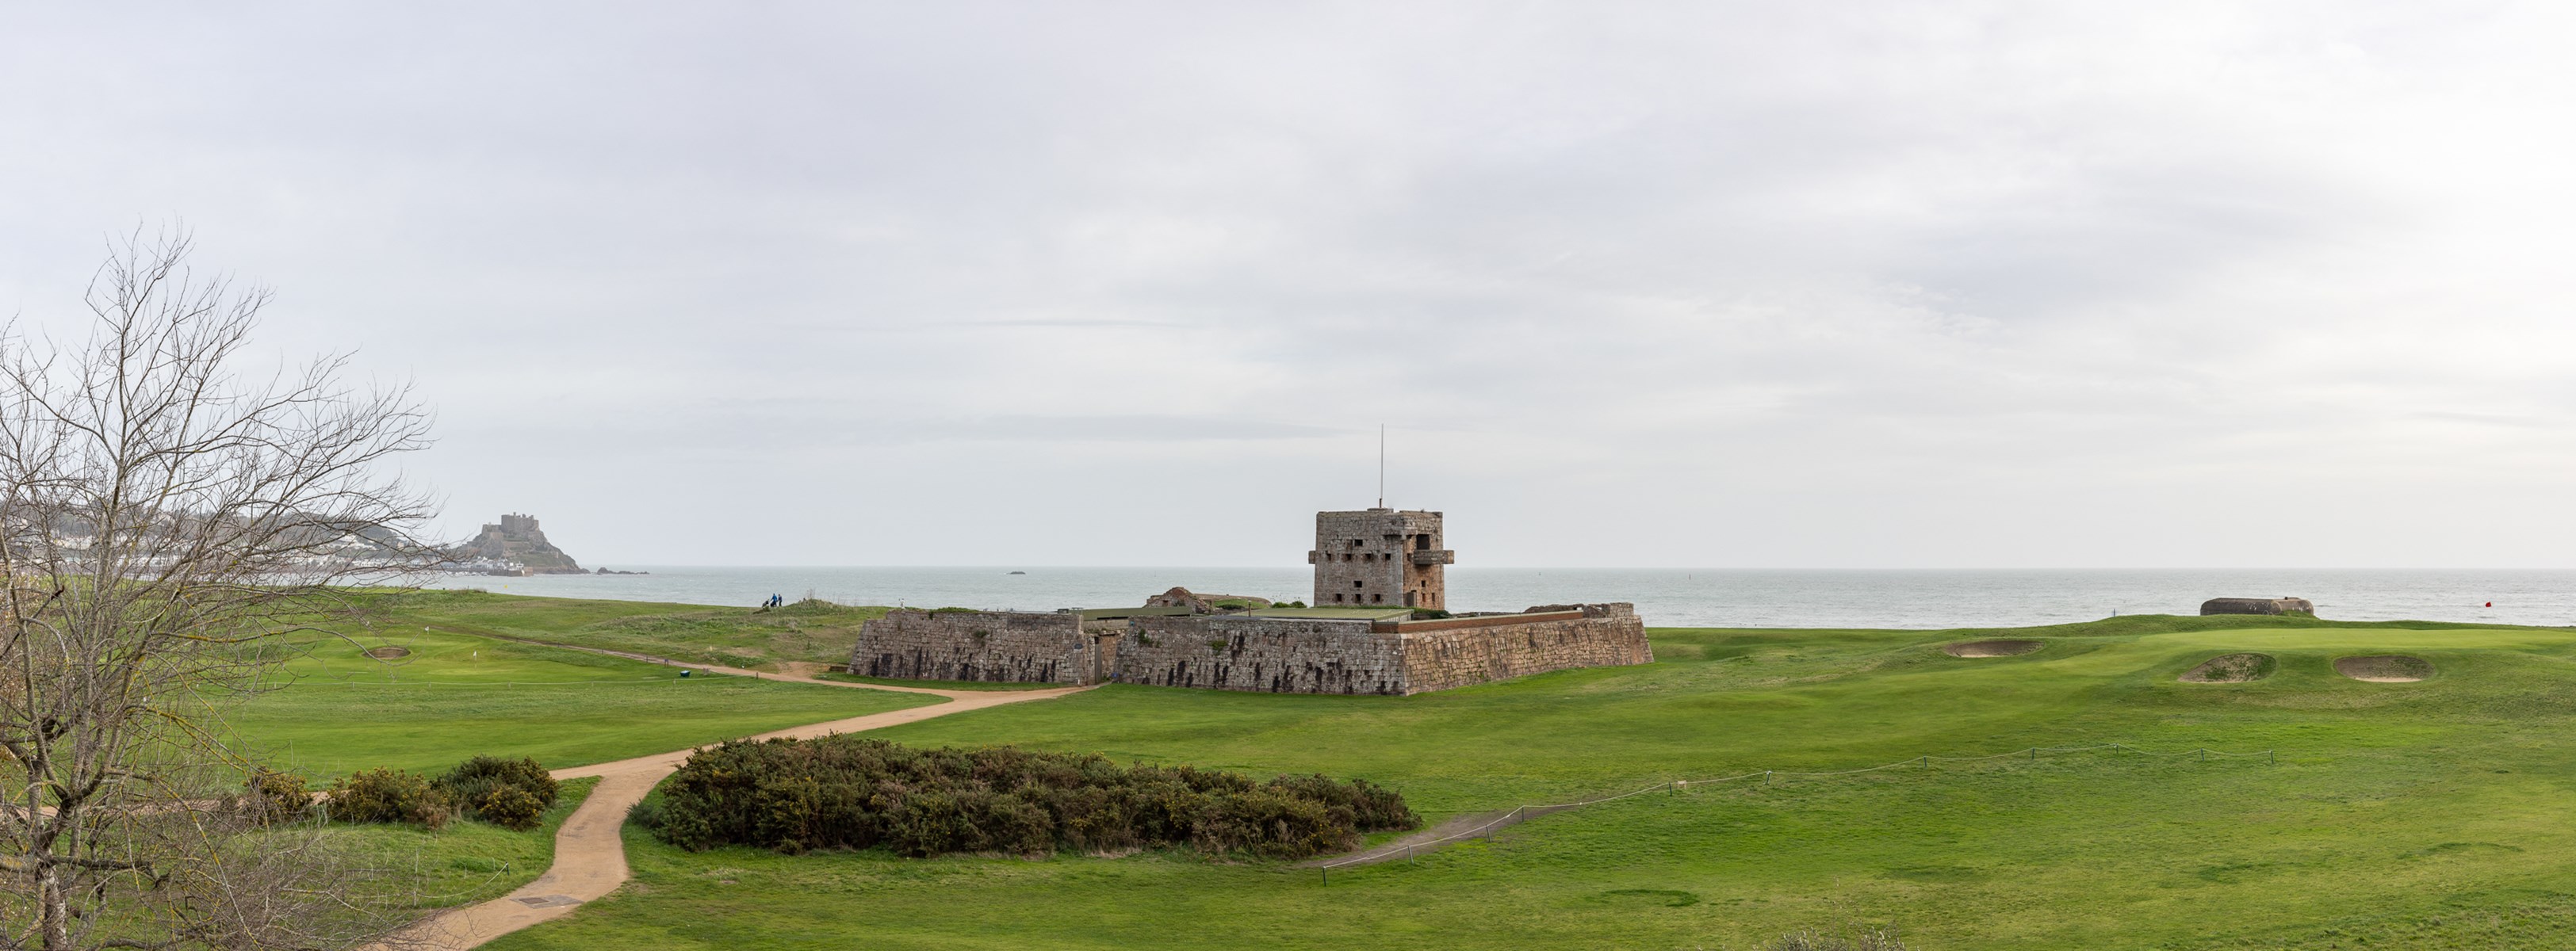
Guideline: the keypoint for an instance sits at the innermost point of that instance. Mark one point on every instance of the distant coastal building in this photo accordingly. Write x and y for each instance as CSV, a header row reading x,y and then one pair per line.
x,y
2258,606
1379,624
514,546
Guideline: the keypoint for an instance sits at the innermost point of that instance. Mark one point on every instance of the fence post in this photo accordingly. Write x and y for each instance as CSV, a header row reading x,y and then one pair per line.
x,y
1766,777
1927,762
1328,873
2269,759
2034,754
2204,754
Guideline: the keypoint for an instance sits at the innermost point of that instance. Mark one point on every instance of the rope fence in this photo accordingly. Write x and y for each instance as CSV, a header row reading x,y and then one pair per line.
x,y
1768,777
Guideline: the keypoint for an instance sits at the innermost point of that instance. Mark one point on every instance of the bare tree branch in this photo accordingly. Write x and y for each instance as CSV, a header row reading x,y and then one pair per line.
x,y
162,515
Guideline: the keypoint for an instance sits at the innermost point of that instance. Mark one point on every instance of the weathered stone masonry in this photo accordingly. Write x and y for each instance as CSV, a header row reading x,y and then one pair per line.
x,y
975,645
1589,635
1274,655
1243,652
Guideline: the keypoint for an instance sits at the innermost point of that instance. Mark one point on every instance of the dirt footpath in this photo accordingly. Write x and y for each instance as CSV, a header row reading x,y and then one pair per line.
x,y
590,858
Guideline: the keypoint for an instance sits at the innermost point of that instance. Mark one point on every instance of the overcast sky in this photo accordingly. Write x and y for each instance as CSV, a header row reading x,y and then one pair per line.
x,y
1700,284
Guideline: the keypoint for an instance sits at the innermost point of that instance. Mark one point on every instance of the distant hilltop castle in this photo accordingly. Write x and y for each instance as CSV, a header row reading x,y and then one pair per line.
x,y
515,546
1379,624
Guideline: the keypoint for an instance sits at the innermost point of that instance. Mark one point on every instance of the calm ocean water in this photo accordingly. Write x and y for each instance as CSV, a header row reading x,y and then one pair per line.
x,y
1665,597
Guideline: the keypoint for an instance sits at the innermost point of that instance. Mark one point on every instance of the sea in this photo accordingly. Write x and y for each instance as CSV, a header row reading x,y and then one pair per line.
x,y
1665,597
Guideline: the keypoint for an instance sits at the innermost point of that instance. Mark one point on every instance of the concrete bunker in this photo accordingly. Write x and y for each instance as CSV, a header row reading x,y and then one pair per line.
x,y
2281,605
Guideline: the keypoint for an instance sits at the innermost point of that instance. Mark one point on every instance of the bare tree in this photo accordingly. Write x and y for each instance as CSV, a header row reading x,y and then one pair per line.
x,y
163,515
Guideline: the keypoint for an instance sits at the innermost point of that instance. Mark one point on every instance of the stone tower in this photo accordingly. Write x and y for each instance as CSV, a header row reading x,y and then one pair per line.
x,y
1379,557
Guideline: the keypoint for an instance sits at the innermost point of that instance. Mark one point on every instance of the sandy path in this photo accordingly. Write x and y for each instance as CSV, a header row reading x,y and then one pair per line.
x,y
590,858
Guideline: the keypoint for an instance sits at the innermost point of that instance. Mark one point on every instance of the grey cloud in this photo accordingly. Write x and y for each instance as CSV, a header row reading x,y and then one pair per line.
x,y
1808,278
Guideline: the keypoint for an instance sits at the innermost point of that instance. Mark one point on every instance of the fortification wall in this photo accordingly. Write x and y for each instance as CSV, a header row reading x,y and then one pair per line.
x,y
1602,635
1016,647
1353,657
1274,655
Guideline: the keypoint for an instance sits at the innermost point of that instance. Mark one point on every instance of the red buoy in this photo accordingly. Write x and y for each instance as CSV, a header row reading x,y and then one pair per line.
x,y
2490,604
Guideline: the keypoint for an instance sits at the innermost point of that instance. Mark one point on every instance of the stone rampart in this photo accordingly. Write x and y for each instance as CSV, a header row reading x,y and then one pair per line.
x,y
1596,635
976,645
1282,655
1273,655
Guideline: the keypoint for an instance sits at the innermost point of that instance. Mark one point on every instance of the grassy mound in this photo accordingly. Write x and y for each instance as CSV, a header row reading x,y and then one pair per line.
x,y
2231,669
1993,648
2384,668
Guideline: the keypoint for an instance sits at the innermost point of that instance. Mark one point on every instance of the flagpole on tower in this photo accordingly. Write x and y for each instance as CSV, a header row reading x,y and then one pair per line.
x,y
1381,465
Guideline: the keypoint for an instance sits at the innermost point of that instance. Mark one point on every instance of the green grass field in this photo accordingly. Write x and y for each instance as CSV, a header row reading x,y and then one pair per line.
x,y
333,710
467,861
806,632
2439,814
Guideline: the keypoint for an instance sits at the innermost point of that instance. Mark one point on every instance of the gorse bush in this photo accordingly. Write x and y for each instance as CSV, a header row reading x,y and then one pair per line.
x,y
509,807
510,793
388,795
850,792
272,796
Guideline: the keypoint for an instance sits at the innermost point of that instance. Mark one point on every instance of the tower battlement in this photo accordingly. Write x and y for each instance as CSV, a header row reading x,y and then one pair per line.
x,y
1381,557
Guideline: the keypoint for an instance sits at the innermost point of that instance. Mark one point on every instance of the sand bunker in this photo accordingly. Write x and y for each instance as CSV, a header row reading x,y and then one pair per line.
x,y
389,653
2230,669
2385,668
1991,648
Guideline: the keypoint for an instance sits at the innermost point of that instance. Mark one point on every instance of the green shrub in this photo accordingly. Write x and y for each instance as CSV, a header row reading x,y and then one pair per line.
x,y
647,814
851,792
388,795
509,807
511,793
272,796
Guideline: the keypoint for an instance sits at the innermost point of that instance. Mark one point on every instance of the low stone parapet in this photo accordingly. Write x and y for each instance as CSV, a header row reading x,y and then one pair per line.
x,y
1249,653
1006,646
1550,638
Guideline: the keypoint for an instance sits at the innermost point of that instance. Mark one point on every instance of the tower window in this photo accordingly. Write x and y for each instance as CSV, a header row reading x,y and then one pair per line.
x,y
1376,598
1357,584
1422,542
